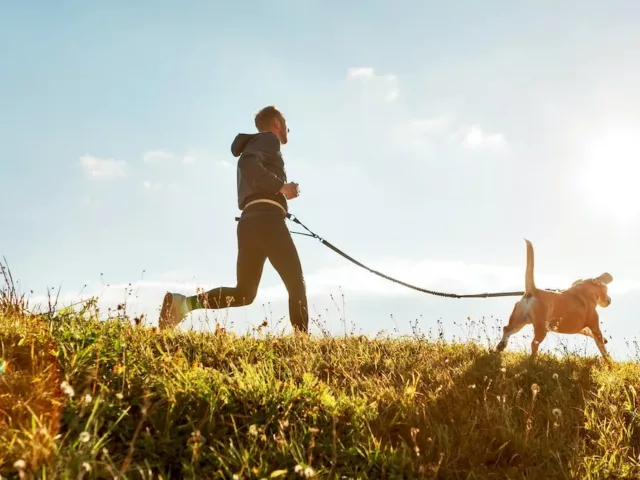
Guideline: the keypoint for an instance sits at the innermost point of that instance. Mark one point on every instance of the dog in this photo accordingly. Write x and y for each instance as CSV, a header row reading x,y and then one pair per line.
x,y
572,311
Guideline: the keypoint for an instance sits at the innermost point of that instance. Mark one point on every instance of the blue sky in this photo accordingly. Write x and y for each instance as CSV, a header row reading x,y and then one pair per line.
x,y
427,139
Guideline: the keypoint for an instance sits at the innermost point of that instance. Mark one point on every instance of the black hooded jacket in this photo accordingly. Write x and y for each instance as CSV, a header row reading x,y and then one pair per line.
x,y
261,171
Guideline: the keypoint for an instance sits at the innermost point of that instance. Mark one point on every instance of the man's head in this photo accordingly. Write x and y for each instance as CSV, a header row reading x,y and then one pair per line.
x,y
269,119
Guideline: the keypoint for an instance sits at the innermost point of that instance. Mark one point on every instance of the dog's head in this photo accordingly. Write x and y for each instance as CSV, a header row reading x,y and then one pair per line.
x,y
597,288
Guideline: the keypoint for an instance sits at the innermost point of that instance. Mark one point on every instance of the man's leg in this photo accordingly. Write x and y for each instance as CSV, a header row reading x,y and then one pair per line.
x,y
283,255
249,266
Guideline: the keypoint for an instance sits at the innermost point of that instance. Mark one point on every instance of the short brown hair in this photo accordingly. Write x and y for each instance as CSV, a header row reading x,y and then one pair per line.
x,y
266,116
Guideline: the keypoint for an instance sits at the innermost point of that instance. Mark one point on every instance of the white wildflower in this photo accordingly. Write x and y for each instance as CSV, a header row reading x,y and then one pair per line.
x,y
67,389
85,437
309,472
20,464
87,398
298,469
86,466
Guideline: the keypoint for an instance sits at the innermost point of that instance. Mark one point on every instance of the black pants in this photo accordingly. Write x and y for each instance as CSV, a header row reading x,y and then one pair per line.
x,y
262,237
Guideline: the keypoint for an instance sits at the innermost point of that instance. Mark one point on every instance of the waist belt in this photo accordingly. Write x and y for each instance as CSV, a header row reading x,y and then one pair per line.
x,y
263,200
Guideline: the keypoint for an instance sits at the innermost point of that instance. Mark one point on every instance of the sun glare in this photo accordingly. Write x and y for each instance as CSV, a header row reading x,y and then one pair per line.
x,y
609,176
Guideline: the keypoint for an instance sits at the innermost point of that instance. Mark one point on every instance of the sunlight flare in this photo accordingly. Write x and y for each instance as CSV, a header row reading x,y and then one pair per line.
x,y
610,174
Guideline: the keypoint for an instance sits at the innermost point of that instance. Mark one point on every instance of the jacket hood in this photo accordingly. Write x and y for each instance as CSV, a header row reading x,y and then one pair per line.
x,y
240,143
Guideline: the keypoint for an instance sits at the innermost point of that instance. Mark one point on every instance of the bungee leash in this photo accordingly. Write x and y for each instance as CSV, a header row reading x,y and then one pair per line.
x,y
328,244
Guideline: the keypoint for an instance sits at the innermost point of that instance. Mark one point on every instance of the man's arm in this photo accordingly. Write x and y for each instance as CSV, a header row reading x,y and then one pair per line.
x,y
251,166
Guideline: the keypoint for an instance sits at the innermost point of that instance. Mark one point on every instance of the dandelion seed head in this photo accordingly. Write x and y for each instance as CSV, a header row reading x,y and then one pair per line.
x,y
535,388
557,412
85,437
555,376
309,472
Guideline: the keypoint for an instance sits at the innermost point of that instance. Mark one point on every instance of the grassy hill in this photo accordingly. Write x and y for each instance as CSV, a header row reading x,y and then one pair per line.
x,y
87,398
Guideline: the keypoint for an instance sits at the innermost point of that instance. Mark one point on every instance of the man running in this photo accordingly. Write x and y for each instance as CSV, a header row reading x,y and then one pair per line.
x,y
263,192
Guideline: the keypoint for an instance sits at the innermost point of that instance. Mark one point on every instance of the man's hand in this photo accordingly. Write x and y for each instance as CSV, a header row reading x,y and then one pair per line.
x,y
290,190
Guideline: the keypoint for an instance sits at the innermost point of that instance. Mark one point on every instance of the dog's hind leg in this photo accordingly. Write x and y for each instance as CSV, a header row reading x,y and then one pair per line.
x,y
517,320
539,334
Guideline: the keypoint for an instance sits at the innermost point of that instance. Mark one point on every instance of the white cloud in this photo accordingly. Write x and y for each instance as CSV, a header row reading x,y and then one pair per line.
x,y
149,185
187,158
422,130
104,168
385,86
155,156
360,72
474,137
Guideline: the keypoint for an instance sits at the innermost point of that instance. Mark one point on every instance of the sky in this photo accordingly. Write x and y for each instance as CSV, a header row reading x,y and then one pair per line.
x,y
428,140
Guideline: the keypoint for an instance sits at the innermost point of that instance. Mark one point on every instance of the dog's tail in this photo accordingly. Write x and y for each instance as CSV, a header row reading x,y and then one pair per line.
x,y
529,282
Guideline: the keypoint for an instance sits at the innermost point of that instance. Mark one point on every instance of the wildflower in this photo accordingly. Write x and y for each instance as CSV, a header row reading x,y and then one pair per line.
x,y
20,464
298,469
85,437
197,437
86,466
535,388
253,430
87,398
555,376
309,472
67,389
119,396
503,370
557,412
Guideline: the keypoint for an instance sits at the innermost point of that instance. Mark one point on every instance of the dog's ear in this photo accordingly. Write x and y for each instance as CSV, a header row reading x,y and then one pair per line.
x,y
605,278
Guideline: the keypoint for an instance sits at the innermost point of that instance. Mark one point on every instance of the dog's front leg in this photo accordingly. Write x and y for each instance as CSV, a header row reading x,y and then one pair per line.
x,y
596,334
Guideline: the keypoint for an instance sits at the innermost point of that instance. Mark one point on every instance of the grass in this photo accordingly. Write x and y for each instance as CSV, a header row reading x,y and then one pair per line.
x,y
82,397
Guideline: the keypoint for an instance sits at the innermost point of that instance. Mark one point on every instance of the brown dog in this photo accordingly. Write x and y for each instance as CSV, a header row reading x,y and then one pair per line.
x,y
571,311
